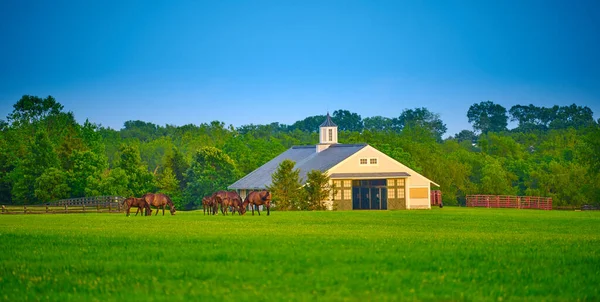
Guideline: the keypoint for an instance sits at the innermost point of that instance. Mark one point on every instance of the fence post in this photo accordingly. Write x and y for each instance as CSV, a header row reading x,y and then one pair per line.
x,y
24,209
83,207
109,206
46,208
3,209
66,208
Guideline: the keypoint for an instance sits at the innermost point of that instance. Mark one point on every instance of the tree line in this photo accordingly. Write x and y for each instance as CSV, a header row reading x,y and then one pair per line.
x,y
46,155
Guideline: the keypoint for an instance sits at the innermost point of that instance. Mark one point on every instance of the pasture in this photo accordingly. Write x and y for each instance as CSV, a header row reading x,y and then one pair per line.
x,y
442,254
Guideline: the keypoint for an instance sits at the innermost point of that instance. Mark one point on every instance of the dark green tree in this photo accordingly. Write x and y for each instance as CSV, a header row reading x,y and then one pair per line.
x,y
487,116
317,190
175,161
40,156
86,165
30,109
421,117
139,179
309,124
211,170
167,183
378,123
466,136
286,187
51,185
346,121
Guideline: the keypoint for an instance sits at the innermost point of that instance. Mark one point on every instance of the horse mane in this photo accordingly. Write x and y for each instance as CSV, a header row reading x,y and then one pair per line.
x,y
169,201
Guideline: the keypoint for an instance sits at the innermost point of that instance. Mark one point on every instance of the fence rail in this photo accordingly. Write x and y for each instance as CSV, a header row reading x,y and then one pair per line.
x,y
504,201
98,204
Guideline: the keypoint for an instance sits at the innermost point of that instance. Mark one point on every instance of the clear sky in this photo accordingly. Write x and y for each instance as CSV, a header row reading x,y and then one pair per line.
x,y
242,62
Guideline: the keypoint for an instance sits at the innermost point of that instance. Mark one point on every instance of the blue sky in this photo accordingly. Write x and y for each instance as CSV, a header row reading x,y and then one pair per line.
x,y
242,62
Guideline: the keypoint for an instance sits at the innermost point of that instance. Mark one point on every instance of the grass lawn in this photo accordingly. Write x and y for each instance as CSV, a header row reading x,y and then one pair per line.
x,y
441,254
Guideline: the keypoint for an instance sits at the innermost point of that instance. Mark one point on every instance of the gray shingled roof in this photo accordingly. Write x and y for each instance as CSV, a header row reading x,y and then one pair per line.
x,y
328,122
306,159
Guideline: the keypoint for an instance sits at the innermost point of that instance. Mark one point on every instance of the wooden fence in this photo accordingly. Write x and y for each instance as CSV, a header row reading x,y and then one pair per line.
x,y
98,204
503,201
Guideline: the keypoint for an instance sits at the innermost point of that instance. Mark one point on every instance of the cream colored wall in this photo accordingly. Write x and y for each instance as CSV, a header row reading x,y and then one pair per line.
x,y
419,203
384,164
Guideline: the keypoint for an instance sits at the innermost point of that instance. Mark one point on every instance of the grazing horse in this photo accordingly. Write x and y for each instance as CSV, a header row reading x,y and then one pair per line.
x,y
159,200
140,203
207,204
226,199
257,198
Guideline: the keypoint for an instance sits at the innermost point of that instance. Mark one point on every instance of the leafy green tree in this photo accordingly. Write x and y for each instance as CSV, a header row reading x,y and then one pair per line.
x,y
421,117
142,131
488,117
40,157
51,185
286,187
378,123
211,170
466,136
167,183
309,124
112,182
140,180
572,116
317,190
346,121
496,180
86,165
30,109
175,161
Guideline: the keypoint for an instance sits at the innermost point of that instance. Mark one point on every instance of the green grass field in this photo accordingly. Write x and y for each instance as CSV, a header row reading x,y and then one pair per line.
x,y
441,254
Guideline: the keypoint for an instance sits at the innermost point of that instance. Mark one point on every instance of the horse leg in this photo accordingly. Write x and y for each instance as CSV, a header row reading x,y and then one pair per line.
x,y
268,209
252,207
163,210
258,209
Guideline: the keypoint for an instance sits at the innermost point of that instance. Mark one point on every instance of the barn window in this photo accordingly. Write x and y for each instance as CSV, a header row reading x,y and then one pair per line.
x,y
330,135
372,161
363,161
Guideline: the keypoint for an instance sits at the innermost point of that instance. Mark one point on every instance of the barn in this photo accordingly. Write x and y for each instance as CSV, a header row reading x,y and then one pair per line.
x,y
363,177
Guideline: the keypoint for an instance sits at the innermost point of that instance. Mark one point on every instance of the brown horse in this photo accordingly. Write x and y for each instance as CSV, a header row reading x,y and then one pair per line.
x,y
159,200
140,203
257,198
227,199
207,204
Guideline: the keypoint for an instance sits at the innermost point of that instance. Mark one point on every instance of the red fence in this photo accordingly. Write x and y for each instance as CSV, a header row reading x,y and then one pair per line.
x,y
517,202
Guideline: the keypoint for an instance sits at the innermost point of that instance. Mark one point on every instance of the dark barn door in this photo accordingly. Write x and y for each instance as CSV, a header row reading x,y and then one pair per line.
x,y
369,194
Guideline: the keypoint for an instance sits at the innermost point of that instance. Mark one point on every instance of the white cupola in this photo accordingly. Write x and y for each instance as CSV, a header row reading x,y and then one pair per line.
x,y
328,134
